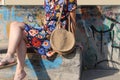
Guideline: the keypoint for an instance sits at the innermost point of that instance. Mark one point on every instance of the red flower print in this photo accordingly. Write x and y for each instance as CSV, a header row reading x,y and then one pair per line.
x,y
36,42
57,7
50,53
33,32
45,27
46,44
28,45
40,36
48,31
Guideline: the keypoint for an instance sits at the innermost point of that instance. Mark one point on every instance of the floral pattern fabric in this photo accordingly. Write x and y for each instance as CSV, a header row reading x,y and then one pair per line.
x,y
38,36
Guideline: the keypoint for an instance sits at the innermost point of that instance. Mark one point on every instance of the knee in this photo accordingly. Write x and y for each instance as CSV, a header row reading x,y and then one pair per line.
x,y
16,24
13,24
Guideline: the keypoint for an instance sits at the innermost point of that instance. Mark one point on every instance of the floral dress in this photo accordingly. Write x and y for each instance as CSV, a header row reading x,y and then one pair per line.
x,y
38,36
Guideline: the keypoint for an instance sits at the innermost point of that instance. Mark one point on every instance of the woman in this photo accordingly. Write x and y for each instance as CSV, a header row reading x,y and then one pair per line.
x,y
37,37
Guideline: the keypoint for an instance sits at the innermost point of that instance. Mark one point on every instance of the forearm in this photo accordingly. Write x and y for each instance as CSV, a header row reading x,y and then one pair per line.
x,y
73,17
73,21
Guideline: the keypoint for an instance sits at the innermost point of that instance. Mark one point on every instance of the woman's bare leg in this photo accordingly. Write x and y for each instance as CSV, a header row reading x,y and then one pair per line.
x,y
15,37
16,44
16,34
21,53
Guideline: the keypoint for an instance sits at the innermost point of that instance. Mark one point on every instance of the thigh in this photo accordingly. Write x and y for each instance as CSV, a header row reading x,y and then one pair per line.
x,y
36,38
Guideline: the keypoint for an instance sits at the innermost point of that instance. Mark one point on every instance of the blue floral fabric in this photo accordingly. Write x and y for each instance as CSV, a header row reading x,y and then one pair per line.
x,y
37,37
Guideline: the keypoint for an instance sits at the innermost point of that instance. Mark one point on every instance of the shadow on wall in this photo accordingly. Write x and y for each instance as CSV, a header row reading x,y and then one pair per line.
x,y
96,33
97,38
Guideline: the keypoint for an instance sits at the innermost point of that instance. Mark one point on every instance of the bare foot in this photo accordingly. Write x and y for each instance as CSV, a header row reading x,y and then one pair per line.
x,y
20,76
7,60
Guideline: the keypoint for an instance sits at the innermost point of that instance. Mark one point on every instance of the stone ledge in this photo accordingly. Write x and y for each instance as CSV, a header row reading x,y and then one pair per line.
x,y
60,68
3,45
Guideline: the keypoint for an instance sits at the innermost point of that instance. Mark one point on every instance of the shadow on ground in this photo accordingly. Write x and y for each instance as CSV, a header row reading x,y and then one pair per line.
x,y
96,74
38,66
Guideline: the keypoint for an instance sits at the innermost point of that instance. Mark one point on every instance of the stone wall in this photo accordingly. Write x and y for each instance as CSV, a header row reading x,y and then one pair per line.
x,y
100,49
101,37
21,14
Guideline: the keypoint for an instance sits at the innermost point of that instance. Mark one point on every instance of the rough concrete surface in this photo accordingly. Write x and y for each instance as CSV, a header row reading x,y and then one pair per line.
x,y
8,73
66,67
69,68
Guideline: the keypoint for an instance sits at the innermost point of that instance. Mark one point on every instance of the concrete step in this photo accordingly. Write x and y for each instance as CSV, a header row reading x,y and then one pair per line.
x,y
55,68
8,73
3,45
70,69
58,67
101,74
